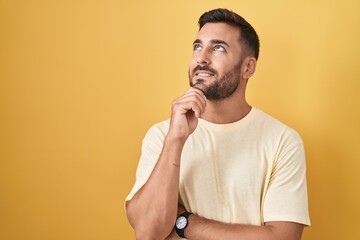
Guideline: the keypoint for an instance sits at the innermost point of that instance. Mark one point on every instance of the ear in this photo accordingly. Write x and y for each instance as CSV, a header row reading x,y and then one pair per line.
x,y
249,66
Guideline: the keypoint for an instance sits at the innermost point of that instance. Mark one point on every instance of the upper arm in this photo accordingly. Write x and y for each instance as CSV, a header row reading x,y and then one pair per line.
x,y
286,230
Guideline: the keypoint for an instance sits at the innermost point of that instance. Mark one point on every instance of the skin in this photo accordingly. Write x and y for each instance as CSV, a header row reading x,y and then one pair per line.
x,y
217,47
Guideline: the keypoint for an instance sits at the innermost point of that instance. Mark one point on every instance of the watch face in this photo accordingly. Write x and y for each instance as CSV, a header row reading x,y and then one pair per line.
x,y
181,222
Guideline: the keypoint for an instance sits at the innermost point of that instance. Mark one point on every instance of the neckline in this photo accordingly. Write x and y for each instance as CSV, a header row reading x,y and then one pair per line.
x,y
230,126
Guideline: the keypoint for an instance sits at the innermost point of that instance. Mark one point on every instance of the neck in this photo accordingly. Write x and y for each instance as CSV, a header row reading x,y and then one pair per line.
x,y
228,110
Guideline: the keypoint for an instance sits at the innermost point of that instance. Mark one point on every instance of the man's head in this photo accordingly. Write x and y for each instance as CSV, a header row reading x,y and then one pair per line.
x,y
225,51
248,36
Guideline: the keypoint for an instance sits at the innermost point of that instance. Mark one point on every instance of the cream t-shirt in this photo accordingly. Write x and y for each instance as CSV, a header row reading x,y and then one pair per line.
x,y
251,171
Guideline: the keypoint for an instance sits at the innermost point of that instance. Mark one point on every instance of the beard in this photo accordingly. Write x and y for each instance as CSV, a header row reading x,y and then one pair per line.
x,y
220,88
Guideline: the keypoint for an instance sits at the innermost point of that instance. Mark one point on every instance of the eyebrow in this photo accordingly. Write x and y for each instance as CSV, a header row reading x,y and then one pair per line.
x,y
214,41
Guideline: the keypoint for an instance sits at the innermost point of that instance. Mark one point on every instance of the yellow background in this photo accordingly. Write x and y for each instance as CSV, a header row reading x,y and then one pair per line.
x,y
81,82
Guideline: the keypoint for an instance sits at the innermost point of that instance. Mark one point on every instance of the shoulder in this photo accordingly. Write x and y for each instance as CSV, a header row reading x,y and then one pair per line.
x,y
275,127
157,132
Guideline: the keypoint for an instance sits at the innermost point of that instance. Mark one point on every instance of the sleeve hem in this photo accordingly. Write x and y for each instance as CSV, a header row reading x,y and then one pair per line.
x,y
288,218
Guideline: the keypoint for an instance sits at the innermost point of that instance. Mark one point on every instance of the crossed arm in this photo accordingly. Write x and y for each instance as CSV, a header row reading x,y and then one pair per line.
x,y
153,209
205,229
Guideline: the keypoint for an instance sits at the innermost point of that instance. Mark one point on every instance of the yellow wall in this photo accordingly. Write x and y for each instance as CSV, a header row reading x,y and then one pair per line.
x,y
81,81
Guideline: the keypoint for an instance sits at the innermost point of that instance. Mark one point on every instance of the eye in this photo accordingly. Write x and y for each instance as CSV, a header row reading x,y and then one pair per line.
x,y
196,47
219,48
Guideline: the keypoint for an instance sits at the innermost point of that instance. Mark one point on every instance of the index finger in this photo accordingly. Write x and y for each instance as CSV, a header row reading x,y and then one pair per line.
x,y
197,90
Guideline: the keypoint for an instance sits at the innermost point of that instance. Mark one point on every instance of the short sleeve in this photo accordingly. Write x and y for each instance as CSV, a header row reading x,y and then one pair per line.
x,y
286,197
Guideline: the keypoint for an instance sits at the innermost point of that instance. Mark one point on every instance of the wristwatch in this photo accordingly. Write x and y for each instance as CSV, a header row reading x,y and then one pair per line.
x,y
181,223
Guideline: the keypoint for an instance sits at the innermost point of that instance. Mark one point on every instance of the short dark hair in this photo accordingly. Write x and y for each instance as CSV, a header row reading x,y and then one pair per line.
x,y
248,35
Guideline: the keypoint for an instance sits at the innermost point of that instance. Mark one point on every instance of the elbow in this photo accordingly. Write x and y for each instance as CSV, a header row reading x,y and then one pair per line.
x,y
147,227
151,233
142,235
147,236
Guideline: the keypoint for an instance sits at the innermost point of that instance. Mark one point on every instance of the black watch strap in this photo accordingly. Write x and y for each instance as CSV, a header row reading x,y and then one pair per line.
x,y
181,232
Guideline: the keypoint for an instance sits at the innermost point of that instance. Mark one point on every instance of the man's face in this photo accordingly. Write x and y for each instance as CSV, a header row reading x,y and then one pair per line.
x,y
215,65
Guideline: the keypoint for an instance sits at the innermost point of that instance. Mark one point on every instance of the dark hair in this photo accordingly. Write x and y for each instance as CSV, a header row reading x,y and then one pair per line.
x,y
248,35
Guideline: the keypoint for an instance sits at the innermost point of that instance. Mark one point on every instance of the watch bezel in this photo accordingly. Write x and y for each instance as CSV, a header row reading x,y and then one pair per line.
x,y
181,218
179,229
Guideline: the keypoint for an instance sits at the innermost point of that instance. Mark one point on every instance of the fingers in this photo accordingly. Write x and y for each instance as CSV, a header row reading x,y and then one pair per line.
x,y
185,113
193,99
198,94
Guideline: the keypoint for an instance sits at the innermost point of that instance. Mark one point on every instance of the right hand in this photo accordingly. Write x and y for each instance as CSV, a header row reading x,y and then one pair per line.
x,y
185,113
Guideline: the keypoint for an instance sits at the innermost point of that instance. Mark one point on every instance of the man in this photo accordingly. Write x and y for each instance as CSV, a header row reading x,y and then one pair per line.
x,y
220,168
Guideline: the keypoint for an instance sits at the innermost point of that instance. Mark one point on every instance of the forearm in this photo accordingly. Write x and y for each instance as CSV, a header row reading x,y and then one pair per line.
x,y
153,209
204,229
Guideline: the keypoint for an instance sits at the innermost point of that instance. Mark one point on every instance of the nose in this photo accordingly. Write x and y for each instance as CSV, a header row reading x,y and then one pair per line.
x,y
203,58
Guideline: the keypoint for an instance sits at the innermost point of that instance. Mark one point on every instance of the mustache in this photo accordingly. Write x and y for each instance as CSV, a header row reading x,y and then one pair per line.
x,y
203,68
